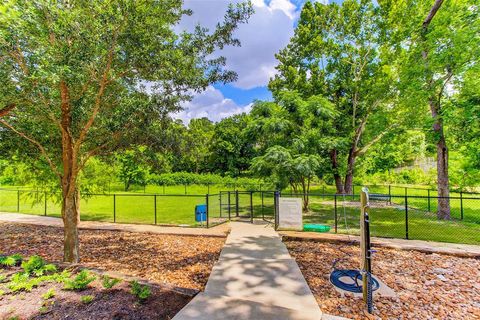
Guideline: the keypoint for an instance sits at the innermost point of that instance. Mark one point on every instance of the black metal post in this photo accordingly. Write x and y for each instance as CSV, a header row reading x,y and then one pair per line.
x,y
276,210
336,215
206,198
229,207
45,212
236,203
220,201
114,208
390,194
18,200
251,206
406,217
155,207
428,200
263,214
461,205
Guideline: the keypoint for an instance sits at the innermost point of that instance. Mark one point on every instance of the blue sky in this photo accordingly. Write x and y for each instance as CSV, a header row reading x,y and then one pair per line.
x,y
268,31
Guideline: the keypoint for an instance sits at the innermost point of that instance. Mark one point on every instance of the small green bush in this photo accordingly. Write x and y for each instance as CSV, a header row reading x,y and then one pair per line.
x,y
21,281
10,261
49,294
108,282
37,266
86,299
80,282
141,292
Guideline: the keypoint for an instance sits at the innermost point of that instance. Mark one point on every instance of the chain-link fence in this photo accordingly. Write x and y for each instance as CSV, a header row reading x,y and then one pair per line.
x,y
395,216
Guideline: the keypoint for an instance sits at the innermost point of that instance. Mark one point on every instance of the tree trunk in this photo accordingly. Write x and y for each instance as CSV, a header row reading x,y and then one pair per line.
x,y
71,218
442,165
442,151
70,191
350,169
336,174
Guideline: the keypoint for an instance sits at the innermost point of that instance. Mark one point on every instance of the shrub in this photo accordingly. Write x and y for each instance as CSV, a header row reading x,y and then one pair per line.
x,y
141,292
87,299
22,282
108,282
37,266
49,294
80,282
10,261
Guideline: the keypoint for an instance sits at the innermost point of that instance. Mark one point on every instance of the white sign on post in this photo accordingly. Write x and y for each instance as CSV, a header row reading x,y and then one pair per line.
x,y
290,214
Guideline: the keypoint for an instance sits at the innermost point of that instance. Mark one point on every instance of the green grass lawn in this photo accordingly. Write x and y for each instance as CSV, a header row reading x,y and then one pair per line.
x,y
390,222
175,208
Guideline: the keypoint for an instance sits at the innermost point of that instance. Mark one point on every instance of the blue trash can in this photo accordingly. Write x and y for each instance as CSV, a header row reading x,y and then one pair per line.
x,y
201,213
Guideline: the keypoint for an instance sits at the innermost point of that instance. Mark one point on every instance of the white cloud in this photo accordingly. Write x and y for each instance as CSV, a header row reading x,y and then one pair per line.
x,y
211,104
268,31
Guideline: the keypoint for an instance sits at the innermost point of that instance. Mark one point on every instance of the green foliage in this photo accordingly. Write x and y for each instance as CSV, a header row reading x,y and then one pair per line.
x,y
141,292
109,283
37,266
10,261
49,294
80,282
21,281
87,299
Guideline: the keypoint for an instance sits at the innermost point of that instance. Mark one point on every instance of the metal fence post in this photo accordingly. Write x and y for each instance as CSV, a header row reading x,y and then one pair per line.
x,y
276,210
390,194
18,200
251,206
206,198
45,212
114,208
406,217
428,199
236,203
229,207
263,214
220,201
461,205
155,207
336,215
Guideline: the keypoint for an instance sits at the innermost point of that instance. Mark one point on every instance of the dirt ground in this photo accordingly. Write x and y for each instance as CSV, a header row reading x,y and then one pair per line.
x,y
183,261
428,286
115,303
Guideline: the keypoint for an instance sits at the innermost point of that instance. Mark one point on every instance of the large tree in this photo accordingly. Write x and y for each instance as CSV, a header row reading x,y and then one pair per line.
x,y
83,78
292,137
437,43
337,51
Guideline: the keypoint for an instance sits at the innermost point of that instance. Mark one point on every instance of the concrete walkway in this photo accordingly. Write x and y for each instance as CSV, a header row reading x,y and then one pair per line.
x,y
217,231
255,278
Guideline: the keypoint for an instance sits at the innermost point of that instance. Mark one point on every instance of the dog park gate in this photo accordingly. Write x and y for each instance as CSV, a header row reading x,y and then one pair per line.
x,y
247,205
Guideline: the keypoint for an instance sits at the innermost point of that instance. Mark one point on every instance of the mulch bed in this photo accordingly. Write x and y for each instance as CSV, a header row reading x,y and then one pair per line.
x,y
115,303
428,286
183,261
